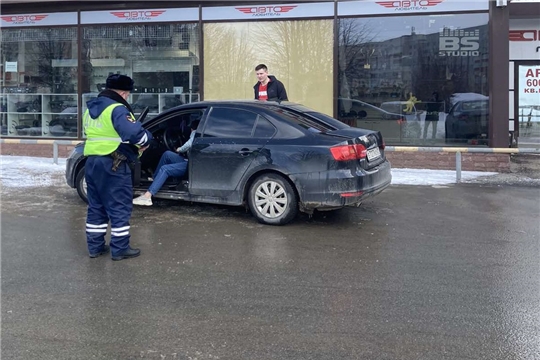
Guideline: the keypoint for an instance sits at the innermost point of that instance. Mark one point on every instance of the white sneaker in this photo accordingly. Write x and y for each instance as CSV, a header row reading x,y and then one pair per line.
x,y
142,200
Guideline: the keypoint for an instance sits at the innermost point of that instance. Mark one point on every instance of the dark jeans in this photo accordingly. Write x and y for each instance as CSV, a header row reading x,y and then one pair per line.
x,y
170,165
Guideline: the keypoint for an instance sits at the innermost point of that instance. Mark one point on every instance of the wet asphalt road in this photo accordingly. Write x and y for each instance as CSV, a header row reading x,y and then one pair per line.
x,y
416,273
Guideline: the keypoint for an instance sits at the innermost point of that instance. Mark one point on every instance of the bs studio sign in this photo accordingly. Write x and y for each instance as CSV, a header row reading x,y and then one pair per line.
x,y
459,43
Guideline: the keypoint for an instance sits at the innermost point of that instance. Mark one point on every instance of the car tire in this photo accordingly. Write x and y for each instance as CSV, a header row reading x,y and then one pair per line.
x,y
272,200
80,185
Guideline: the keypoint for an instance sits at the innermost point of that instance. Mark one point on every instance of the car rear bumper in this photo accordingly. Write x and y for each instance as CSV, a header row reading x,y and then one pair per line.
x,y
335,189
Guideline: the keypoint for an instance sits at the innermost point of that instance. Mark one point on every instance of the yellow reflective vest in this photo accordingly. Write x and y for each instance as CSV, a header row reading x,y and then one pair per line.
x,y
101,137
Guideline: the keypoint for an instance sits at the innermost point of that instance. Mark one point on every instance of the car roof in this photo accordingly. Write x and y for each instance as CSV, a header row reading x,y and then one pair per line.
x,y
270,105
242,102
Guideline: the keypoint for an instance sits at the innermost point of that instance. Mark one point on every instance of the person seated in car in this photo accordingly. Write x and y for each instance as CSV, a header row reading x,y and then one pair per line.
x,y
171,164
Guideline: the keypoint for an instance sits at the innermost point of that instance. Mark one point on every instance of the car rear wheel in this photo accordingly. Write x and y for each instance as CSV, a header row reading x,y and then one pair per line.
x,y
272,200
80,184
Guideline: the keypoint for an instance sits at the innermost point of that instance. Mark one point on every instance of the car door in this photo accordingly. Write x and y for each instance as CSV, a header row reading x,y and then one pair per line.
x,y
231,139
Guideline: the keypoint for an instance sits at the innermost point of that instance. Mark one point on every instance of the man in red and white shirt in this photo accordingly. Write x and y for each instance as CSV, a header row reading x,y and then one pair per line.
x,y
268,87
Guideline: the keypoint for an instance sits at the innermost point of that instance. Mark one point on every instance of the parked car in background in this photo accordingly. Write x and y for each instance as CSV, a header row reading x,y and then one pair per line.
x,y
467,121
390,119
275,158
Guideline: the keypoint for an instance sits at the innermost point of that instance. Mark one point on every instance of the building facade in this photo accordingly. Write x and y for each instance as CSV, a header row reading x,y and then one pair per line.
x,y
423,72
524,78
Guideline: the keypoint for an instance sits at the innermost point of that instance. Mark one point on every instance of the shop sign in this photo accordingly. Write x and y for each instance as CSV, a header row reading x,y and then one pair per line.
x,y
377,7
408,5
38,19
138,15
255,12
145,15
528,97
524,37
11,66
529,83
459,43
267,11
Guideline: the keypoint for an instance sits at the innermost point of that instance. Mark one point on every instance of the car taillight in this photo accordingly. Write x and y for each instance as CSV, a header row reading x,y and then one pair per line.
x,y
348,152
382,146
401,120
463,117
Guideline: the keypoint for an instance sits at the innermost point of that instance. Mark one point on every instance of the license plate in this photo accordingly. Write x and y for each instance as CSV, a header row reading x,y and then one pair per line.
x,y
373,154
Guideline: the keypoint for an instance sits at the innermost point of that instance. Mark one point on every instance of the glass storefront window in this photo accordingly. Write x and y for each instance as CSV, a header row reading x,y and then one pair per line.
x,y
529,105
420,80
162,59
38,94
299,53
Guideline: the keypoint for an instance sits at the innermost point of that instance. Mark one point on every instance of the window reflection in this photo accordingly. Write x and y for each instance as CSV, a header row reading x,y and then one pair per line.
x,y
230,123
162,59
39,82
298,52
403,75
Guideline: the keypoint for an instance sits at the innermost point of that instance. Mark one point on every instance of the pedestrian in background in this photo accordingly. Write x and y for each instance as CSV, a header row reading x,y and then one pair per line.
x,y
114,140
268,87
432,114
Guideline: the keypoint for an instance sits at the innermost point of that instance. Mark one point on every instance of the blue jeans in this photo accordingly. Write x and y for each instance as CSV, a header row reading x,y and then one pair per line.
x,y
170,164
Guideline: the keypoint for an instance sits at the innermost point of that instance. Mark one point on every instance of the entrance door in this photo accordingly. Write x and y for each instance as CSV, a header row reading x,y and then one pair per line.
x,y
527,99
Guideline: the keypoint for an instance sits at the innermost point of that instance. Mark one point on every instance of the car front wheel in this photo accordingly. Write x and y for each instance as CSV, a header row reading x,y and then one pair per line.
x,y
272,200
80,184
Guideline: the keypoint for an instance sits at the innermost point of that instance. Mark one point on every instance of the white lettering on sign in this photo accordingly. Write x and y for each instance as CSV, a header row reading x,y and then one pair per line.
x,y
459,43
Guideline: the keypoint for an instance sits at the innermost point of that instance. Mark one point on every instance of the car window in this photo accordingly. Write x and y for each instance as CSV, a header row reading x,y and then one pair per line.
x,y
264,128
305,122
327,119
474,105
229,123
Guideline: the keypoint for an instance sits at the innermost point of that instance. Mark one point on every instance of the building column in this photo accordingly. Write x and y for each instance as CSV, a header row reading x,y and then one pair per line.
x,y
498,75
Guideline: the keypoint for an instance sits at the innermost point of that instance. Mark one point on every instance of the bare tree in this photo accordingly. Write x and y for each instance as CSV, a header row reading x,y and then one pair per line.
x,y
298,50
229,61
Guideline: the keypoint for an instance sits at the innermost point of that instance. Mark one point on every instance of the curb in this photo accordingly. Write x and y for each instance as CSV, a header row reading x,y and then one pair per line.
x,y
463,150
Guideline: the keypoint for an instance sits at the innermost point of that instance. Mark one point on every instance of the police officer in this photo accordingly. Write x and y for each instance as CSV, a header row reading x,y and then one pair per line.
x,y
114,139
